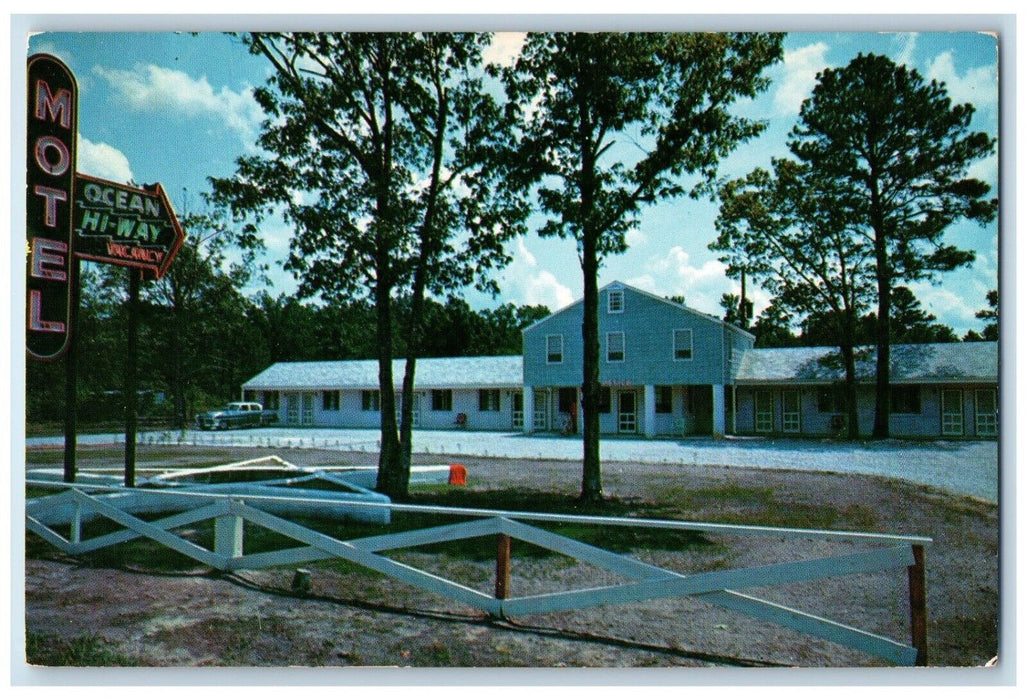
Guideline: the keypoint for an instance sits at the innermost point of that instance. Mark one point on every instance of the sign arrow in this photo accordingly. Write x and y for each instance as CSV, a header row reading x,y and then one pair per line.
x,y
123,225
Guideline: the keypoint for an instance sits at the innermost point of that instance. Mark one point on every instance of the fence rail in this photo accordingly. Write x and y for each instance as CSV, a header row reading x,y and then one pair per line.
x,y
645,581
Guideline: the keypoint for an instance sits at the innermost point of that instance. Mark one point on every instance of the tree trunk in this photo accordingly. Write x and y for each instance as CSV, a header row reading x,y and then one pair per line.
x,y
389,463
591,476
848,349
851,398
882,401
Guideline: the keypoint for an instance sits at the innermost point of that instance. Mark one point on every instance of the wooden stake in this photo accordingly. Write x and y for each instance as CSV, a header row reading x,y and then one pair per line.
x,y
918,603
131,390
503,547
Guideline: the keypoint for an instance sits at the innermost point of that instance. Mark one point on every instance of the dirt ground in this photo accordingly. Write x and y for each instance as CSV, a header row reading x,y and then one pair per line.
x,y
354,618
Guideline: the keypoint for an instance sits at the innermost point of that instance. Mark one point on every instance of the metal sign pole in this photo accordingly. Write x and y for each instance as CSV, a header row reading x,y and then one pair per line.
x,y
71,380
131,375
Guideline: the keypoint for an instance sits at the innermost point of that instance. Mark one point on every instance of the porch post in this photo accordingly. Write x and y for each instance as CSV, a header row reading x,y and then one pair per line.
x,y
529,409
718,410
649,410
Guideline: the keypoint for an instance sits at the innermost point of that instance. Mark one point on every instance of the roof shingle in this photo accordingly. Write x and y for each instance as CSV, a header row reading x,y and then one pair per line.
x,y
910,364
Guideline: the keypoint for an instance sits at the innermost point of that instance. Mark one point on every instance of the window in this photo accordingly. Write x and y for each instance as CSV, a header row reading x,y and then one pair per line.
x,y
330,401
271,400
830,399
370,400
604,399
488,399
905,399
615,301
442,400
554,349
664,399
568,397
683,344
615,347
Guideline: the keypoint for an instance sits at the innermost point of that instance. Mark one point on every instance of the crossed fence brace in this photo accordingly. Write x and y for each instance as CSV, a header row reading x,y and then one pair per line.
x,y
646,581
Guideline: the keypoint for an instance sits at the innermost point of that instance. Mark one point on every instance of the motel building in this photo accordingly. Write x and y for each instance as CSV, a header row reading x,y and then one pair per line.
x,y
666,371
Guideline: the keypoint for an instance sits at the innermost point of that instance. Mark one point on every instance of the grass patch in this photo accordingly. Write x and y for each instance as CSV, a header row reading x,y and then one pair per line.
x,y
733,502
48,650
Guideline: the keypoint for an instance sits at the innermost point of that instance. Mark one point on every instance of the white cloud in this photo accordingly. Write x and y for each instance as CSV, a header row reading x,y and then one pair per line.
x,y
674,274
955,309
978,86
505,48
543,288
103,161
800,68
153,88
634,237
524,282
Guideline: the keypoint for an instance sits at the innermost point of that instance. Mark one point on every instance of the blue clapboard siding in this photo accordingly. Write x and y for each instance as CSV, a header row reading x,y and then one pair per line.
x,y
648,323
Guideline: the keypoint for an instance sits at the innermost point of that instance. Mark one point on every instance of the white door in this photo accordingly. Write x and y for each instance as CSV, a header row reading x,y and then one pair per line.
x,y
764,412
517,410
952,412
307,416
541,410
292,409
790,412
986,411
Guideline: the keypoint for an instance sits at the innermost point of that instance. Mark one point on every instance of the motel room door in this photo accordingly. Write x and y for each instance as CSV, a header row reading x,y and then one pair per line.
x,y
517,411
952,412
986,412
541,417
627,412
415,410
299,408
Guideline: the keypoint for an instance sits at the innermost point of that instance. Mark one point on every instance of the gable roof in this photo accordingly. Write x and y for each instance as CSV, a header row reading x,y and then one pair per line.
x,y
620,285
932,363
504,371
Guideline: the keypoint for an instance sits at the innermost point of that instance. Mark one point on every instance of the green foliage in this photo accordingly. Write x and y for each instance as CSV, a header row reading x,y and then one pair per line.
x,y
86,651
990,315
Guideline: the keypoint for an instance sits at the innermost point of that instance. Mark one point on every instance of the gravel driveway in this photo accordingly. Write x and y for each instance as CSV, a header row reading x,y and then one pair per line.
x,y
968,468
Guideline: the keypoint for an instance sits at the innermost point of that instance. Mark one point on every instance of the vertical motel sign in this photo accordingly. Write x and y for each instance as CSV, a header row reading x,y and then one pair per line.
x,y
52,107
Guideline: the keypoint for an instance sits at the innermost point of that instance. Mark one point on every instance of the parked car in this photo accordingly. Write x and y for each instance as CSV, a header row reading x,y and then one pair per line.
x,y
237,414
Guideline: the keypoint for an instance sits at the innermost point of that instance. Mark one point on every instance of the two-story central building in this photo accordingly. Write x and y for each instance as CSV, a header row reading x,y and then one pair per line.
x,y
665,369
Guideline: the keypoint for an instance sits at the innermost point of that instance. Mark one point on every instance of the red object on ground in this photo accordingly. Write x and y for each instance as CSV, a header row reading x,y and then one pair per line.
x,y
457,475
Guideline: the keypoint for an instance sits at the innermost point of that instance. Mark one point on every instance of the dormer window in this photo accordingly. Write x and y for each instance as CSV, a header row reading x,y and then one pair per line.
x,y
615,301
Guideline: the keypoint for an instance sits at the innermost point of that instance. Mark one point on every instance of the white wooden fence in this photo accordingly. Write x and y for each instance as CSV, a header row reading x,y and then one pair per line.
x,y
644,581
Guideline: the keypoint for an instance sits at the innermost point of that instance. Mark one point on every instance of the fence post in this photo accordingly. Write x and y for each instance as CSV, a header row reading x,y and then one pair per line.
x,y
76,524
918,603
503,566
228,530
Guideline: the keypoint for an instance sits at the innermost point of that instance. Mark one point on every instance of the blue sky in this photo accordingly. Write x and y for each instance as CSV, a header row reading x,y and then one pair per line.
x,y
177,108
